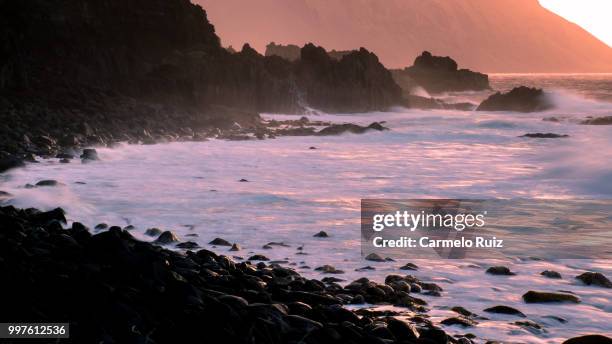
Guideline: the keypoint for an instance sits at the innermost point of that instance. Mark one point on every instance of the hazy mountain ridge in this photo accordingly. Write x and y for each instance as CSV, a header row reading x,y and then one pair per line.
x,y
489,36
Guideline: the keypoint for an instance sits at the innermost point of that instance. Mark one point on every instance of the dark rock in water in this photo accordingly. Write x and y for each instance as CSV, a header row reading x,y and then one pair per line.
x,y
235,247
64,161
89,154
276,243
4,194
461,321
589,339
48,182
220,242
530,326
606,120
462,311
546,297
312,147
544,135
337,129
166,237
259,257
46,217
188,245
152,232
520,99
409,266
505,310
365,268
243,180
500,270
129,228
550,274
328,269
331,279
374,257
595,278
402,330
101,226
437,74
321,234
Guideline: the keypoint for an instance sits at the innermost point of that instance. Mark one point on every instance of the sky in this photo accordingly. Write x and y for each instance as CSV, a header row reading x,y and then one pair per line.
x,y
594,16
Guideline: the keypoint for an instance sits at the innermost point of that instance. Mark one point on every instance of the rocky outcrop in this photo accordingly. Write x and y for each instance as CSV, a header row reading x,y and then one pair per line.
x,y
357,82
87,72
520,99
438,74
289,52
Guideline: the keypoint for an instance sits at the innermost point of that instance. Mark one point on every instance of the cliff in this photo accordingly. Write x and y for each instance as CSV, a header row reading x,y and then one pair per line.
x,y
483,35
98,71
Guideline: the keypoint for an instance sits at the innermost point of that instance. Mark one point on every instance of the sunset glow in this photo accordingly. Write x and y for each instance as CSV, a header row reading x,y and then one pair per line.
x,y
592,15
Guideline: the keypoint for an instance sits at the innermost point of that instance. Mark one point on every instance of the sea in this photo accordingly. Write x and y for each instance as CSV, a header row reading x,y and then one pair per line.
x,y
293,192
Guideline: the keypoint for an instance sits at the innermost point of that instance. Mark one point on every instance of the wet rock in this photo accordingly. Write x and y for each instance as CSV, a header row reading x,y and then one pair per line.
x,y
275,243
235,247
312,147
595,278
331,279
220,242
544,135
89,154
401,330
500,270
409,266
606,120
530,326
101,226
505,310
64,161
167,237
48,182
365,268
461,321
520,99
374,257
9,162
547,297
321,234
328,269
462,311
259,257
4,194
589,339
153,232
243,180
188,245
550,274
337,129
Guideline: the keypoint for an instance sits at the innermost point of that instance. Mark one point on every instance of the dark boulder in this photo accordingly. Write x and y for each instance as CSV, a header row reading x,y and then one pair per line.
x,y
520,99
337,129
167,237
606,120
547,297
48,182
89,154
220,242
500,270
321,234
550,274
589,339
505,310
153,232
595,278
438,74
544,135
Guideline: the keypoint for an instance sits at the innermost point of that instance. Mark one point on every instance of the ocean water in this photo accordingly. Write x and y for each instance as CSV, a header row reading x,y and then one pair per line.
x,y
293,192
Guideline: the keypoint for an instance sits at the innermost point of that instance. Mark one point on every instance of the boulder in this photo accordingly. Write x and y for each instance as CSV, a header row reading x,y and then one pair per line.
x,y
519,99
500,270
548,297
337,129
550,274
589,339
544,135
167,237
89,154
505,310
220,242
606,120
595,278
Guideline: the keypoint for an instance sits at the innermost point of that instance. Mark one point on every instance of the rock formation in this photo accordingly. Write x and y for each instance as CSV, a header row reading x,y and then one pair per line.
x,y
438,74
520,99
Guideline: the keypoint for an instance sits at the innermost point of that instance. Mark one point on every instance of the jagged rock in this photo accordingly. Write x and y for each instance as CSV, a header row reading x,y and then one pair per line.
x,y
409,266
595,278
505,310
546,297
321,234
438,74
235,247
520,99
